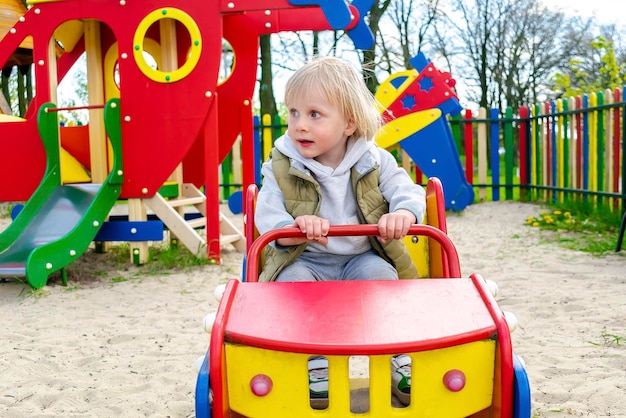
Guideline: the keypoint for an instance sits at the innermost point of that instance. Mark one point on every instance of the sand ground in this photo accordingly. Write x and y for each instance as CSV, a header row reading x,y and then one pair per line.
x,y
120,341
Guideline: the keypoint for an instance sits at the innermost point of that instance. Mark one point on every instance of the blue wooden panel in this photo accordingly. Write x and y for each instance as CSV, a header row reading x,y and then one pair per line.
x,y
129,231
494,136
433,150
521,390
336,11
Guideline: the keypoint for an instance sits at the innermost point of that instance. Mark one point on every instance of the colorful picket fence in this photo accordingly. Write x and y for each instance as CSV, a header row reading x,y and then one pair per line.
x,y
555,151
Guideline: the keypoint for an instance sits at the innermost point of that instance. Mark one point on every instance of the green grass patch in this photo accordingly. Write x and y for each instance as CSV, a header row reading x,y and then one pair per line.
x,y
5,210
162,259
29,292
609,339
120,279
580,226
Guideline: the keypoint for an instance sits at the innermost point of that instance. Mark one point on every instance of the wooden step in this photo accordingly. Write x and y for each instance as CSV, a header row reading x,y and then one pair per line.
x,y
185,230
197,222
229,239
177,225
185,201
228,229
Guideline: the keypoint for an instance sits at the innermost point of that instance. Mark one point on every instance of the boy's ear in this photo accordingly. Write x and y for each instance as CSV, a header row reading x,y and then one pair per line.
x,y
350,127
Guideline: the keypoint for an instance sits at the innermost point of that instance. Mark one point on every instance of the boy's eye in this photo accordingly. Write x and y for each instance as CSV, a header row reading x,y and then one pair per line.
x,y
315,114
293,112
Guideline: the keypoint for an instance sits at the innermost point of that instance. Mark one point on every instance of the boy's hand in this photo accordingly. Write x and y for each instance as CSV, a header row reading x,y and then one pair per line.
x,y
314,227
395,225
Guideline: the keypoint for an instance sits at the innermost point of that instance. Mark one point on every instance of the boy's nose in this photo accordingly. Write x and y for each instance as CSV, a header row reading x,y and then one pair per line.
x,y
301,125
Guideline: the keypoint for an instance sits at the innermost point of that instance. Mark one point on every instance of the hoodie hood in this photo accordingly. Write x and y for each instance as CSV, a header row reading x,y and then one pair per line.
x,y
356,148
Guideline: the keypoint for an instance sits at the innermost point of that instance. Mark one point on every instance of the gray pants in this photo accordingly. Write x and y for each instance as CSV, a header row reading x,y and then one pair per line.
x,y
312,267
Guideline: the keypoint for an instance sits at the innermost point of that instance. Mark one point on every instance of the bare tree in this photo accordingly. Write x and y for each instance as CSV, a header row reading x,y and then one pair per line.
x,y
505,51
413,21
266,88
466,38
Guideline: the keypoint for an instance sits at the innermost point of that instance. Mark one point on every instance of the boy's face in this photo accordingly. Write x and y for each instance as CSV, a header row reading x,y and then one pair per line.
x,y
318,129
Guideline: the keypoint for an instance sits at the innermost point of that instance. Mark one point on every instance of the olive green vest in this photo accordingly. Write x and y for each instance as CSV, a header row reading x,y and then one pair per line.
x,y
302,195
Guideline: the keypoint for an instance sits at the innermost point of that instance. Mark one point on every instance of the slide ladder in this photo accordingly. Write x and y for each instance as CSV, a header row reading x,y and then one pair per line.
x,y
58,223
169,211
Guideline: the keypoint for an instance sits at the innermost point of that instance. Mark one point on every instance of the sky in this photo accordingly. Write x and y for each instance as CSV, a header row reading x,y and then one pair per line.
x,y
606,11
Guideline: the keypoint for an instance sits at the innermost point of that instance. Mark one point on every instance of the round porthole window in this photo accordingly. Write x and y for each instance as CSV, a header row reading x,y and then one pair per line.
x,y
141,44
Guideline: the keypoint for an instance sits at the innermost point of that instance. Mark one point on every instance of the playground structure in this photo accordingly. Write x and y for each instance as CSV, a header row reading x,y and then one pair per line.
x,y
170,128
51,230
457,337
162,63
417,103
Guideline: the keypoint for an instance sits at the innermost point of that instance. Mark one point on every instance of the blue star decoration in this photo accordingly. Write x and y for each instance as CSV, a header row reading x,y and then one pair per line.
x,y
426,83
408,102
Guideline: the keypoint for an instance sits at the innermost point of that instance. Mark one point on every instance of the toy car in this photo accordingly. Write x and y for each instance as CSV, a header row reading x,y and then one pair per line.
x,y
452,328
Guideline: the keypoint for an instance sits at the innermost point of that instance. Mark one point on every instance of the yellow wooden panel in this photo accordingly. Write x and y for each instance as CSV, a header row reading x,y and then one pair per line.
x,y
288,371
69,33
10,118
41,1
386,93
398,129
289,396
417,247
72,171
430,397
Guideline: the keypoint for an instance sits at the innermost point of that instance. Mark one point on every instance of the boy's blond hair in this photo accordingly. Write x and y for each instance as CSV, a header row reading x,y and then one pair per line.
x,y
341,85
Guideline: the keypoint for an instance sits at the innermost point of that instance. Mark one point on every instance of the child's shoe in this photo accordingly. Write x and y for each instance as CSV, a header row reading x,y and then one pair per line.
x,y
401,378
318,382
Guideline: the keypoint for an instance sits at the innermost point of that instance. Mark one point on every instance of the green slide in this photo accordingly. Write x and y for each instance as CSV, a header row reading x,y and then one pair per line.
x,y
58,222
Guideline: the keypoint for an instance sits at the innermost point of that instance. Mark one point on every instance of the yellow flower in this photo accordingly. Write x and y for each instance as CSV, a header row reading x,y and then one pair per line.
x,y
535,223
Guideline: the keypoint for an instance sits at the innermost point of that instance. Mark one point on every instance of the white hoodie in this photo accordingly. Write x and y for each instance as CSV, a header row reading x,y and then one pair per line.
x,y
338,204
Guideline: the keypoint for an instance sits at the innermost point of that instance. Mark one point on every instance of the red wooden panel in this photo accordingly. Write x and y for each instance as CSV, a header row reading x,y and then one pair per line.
x,y
358,317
